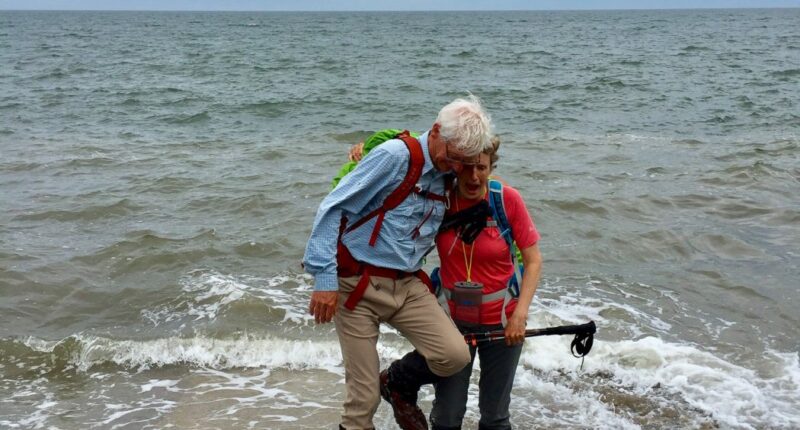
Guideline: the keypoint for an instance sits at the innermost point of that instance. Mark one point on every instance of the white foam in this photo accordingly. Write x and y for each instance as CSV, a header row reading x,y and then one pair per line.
x,y
207,293
161,407
730,393
715,388
201,351
733,395
159,383
43,406
578,409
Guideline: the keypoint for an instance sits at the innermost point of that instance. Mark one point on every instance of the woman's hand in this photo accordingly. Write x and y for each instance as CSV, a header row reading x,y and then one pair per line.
x,y
515,329
356,152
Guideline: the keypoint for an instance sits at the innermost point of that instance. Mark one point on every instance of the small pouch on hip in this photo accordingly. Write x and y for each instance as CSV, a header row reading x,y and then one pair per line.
x,y
467,298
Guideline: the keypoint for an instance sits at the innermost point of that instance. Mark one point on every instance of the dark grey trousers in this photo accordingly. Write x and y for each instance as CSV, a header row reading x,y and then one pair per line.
x,y
498,366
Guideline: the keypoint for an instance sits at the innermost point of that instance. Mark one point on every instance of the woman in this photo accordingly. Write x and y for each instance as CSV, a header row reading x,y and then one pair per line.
x,y
483,266
488,263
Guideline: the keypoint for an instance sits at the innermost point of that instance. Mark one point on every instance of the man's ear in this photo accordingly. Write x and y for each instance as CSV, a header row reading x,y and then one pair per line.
x,y
435,129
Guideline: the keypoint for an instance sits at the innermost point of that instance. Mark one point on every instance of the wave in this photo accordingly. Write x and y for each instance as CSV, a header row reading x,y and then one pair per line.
x,y
720,119
266,109
351,137
726,247
740,210
75,35
12,105
19,166
604,81
170,184
642,382
751,173
54,74
91,213
777,149
96,160
273,154
786,74
537,110
131,101
207,294
695,48
256,204
581,206
84,352
538,53
247,25
645,381
466,54
683,377
188,119
691,142
787,217
147,251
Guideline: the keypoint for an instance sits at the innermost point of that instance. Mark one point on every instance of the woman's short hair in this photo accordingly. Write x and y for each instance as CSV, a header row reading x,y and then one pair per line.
x,y
493,155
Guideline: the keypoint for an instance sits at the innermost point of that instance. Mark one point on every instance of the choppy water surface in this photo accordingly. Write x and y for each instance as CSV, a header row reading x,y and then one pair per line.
x,y
159,173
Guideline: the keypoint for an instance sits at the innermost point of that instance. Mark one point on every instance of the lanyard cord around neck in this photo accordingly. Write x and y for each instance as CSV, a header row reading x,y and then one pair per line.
x,y
467,265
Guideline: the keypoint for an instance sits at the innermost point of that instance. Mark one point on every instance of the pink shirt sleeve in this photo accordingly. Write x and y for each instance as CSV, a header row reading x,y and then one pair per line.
x,y
522,226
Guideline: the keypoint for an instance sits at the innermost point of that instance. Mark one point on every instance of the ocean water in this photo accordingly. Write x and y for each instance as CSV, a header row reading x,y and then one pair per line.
x,y
159,174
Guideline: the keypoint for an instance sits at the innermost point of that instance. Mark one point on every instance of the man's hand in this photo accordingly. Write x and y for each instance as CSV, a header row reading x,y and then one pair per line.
x,y
515,330
323,305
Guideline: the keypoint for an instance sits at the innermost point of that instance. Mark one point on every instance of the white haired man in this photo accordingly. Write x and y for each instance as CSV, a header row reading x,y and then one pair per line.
x,y
366,251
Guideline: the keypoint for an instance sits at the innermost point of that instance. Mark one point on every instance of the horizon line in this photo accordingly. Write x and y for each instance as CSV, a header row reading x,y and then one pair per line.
x,y
408,10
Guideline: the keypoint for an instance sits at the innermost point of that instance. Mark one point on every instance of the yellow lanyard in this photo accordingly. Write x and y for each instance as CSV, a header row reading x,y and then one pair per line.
x,y
467,265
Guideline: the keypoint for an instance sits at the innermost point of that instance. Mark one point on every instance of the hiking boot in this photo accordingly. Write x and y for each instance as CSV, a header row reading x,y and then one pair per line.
x,y
406,412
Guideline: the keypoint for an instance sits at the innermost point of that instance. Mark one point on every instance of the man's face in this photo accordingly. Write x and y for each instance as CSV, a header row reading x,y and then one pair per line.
x,y
456,160
446,156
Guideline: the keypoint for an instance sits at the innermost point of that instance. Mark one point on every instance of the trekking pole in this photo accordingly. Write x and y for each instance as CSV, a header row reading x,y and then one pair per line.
x,y
580,346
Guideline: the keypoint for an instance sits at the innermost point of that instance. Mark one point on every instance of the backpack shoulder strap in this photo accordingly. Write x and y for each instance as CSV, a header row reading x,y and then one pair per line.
x,y
415,165
498,207
497,204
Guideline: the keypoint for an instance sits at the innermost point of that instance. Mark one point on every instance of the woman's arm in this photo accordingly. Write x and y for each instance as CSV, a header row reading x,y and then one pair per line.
x,y
532,261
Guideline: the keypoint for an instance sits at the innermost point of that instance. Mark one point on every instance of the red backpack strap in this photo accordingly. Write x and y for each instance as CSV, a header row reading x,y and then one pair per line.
x,y
415,164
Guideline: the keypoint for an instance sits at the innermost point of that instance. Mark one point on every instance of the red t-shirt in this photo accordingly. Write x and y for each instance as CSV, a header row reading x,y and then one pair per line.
x,y
491,259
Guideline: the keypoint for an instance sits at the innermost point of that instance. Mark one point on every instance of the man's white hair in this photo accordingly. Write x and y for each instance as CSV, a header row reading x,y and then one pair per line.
x,y
464,124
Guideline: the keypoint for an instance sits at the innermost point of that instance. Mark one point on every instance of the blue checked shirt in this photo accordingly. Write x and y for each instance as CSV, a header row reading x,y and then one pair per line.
x,y
408,230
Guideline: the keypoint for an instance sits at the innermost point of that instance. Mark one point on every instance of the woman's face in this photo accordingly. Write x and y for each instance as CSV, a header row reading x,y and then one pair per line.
x,y
472,178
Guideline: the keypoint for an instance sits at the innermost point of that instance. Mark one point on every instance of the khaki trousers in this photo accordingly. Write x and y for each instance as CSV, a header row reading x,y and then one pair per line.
x,y
408,306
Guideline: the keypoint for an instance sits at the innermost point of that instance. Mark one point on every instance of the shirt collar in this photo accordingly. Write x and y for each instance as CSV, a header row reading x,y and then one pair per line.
x,y
423,141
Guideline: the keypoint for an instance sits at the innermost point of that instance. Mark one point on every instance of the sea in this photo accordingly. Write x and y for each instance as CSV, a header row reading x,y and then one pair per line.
x,y
160,172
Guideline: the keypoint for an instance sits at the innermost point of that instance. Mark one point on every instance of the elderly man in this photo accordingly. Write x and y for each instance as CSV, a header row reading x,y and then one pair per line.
x,y
366,250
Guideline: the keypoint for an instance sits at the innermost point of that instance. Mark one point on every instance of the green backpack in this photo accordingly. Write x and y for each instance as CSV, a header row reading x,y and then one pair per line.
x,y
374,140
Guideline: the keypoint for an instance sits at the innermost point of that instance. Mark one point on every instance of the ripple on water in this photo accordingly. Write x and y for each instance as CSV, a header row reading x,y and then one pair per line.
x,y
726,247
120,208
146,251
583,206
